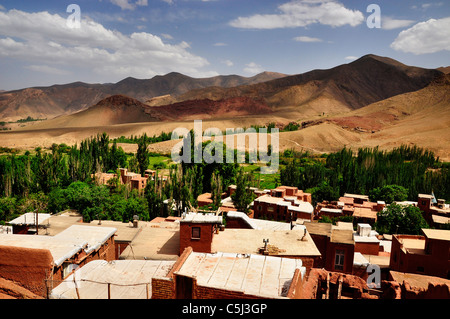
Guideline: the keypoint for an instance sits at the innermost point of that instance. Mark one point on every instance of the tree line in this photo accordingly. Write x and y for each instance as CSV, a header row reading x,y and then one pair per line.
x,y
366,171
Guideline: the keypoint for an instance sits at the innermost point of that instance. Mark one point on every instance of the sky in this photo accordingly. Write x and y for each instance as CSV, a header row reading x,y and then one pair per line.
x,y
105,41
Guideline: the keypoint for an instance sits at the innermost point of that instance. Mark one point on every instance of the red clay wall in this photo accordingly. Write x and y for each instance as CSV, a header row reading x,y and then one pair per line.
x,y
202,245
367,248
26,267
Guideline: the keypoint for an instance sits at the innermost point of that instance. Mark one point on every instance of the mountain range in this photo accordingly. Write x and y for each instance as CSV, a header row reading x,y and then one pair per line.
x,y
57,100
373,101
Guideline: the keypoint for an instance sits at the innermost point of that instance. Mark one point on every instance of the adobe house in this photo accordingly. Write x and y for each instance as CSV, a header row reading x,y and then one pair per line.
x,y
203,234
426,254
230,276
336,245
434,212
284,208
197,231
119,279
39,262
28,223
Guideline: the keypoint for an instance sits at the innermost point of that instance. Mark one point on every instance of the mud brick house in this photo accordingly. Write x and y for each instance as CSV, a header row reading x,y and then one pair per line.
x,y
279,206
197,231
204,234
436,213
427,254
118,279
28,223
230,276
336,245
358,206
39,262
133,180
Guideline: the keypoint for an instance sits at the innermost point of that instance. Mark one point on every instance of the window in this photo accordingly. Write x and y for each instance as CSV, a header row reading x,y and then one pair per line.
x,y
420,269
339,260
270,209
195,232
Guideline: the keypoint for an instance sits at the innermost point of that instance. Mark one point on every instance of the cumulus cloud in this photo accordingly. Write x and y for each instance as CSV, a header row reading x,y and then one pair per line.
x,y
45,39
47,69
301,13
388,23
228,63
126,5
307,39
253,68
425,37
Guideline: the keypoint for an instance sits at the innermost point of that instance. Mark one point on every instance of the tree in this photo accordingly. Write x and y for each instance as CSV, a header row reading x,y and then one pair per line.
x,y
399,219
242,196
389,193
143,155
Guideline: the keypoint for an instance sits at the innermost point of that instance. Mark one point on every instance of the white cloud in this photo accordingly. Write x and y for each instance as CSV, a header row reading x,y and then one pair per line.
x,y
167,36
425,37
228,63
351,58
47,69
388,23
307,39
44,39
2,8
253,68
126,5
220,44
301,14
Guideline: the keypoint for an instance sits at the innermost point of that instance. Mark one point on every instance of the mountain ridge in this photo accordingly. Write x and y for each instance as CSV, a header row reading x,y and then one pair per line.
x,y
64,99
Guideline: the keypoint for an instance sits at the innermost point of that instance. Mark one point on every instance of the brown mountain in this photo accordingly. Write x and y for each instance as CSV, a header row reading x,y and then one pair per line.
x,y
50,102
347,87
120,109
209,109
445,70
113,110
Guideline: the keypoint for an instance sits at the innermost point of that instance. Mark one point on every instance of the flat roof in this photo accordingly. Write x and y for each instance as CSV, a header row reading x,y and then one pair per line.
x,y
258,275
30,219
331,210
199,218
418,281
60,222
154,243
61,249
364,212
94,236
342,236
249,241
259,223
125,231
439,234
129,279
269,199
440,219
425,196
356,196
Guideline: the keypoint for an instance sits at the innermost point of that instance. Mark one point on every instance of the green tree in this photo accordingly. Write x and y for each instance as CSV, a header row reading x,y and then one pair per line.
x,y
143,155
389,193
399,219
242,196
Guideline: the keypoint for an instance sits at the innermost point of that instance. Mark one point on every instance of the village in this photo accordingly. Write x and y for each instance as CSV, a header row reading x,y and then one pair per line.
x,y
281,249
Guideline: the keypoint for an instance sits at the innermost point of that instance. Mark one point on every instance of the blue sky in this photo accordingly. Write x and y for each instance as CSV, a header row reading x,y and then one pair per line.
x,y
202,38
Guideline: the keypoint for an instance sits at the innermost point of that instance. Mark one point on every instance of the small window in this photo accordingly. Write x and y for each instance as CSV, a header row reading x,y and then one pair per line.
x,y
339,260
420,269
195,232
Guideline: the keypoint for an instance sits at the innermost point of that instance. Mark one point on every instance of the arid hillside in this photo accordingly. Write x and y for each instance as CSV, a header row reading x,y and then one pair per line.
x,y
344,88
50,102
